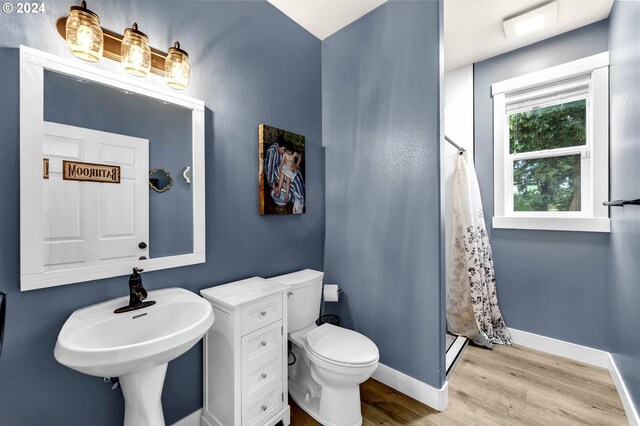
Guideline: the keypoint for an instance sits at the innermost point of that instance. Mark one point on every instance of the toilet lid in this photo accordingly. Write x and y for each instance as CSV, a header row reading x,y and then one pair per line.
x,y
341,345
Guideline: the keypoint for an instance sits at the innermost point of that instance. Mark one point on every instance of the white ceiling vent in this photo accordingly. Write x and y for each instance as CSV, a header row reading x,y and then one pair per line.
x,y
531,21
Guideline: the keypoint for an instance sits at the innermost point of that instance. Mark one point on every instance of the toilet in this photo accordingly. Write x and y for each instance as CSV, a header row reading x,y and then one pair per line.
x,y
326,363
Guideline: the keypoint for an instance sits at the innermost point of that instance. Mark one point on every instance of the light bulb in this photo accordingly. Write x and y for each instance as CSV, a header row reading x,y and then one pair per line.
x,y
84,37
137,57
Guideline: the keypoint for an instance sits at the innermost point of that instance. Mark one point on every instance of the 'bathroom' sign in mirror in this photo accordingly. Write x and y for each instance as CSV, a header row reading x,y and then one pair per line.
x,y
93,128
90,172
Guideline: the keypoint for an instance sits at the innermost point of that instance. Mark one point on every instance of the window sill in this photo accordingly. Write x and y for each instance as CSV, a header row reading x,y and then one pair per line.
x,y
553,224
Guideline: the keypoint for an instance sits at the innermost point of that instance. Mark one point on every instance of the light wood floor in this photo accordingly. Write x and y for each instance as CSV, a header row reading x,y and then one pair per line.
x,y
510,385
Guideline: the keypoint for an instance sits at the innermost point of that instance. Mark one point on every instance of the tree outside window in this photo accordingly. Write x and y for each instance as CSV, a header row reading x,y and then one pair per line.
x,y
552,183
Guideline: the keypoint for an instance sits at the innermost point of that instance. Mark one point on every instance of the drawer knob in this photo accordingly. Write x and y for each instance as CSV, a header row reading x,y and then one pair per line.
x,y
264,408
263,375
289,293
263,343
263,313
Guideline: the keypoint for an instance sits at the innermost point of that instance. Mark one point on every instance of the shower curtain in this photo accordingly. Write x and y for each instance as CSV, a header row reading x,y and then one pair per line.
x,y
472,301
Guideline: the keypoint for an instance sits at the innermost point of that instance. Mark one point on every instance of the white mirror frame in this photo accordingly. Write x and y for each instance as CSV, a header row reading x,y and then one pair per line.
x,y
32,65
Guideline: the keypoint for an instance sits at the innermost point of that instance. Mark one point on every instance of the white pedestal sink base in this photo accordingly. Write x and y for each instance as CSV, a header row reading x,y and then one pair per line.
x,y
142,391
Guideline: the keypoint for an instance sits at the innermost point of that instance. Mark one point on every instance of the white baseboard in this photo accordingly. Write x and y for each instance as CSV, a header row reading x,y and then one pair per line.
x,y
625,397
584,354
561,348
192,419
428,395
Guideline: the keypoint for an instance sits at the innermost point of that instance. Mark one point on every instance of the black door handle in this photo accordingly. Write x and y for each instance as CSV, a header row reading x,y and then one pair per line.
x,y
621,203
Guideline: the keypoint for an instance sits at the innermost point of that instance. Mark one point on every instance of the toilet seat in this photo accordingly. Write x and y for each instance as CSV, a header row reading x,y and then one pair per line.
x,y
341,347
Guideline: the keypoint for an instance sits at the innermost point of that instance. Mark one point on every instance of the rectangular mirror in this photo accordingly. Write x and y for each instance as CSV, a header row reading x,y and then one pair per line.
x,y
88,142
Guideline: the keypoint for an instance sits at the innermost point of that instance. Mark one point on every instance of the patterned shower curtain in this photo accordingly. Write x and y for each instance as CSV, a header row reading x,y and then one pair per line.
x,y
472,301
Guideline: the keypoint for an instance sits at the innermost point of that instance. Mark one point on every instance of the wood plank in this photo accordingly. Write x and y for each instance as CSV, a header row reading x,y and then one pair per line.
x,y
299,417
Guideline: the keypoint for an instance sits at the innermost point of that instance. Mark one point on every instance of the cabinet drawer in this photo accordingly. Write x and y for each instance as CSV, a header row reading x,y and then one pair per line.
x,y
260,314
259,380
266,407
261,346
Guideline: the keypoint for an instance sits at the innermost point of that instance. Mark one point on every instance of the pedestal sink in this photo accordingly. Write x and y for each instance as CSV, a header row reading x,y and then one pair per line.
x,y
135,346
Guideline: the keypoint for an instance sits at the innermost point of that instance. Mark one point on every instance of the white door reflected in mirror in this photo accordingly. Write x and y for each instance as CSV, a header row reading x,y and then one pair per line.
x,y
98,222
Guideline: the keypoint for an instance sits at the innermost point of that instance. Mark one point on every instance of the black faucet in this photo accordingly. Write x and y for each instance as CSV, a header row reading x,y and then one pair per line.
x,y
137,294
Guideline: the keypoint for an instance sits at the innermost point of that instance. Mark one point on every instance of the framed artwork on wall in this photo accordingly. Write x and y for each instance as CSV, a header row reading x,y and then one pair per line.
x,y
281,179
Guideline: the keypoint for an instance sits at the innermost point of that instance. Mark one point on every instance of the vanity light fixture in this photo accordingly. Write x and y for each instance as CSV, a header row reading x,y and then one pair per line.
x,y
88,41
84,34
177,67
135,52
531,21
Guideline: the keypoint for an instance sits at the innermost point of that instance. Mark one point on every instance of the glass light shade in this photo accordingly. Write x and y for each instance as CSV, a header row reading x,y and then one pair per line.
x,y
83,33
177,67
135,52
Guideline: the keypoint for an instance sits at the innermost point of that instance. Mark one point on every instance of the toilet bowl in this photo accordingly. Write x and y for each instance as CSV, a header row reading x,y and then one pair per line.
x,y
327,363
339,360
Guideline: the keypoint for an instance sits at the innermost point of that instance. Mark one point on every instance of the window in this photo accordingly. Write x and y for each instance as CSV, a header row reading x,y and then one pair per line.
x,y
551,148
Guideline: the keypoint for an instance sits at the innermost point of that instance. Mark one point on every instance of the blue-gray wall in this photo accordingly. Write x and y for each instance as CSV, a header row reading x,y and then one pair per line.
x,y
549,283
168,129
380,122
251,65
624,76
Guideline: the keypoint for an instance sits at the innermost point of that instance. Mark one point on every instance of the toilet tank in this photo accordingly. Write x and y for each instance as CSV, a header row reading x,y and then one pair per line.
x,y
305,288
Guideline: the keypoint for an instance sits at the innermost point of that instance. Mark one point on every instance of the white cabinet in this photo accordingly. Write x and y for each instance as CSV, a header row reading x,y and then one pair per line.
x,y
245,355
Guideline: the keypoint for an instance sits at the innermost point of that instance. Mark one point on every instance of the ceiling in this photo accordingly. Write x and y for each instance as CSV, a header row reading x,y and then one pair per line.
x,y
325,17
473,29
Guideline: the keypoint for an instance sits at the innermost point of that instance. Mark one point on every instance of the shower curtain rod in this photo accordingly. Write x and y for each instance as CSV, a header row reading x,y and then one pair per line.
x,y
461,149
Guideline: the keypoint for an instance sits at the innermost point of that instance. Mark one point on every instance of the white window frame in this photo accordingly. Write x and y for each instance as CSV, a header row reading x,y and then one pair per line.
x,y
593,73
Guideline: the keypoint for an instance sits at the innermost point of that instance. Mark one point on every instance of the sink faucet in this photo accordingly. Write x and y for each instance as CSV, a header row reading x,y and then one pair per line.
x,y
137,294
